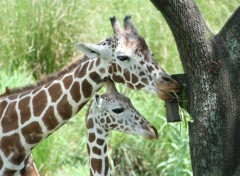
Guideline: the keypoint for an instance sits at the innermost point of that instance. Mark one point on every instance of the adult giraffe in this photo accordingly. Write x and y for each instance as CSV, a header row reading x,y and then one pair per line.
x,y
30,114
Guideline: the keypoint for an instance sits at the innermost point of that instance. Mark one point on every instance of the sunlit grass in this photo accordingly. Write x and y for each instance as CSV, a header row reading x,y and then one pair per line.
x,y
37,38
14,78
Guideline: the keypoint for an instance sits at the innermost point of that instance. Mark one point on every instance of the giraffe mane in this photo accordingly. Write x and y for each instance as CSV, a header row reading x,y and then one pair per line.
x,y
44,80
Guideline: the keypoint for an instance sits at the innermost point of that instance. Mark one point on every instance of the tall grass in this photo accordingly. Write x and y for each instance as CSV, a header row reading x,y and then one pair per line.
x,y
37,37
43,32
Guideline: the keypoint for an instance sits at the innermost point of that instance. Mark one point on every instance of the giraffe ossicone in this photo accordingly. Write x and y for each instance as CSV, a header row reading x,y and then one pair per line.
x,y
30,114
111,111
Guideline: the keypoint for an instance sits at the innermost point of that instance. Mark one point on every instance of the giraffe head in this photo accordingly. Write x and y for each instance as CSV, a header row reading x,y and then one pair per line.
x,y
113,111
129,60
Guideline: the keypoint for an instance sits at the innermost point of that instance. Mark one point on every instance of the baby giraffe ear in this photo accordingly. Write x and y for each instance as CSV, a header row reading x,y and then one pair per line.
x,y
98,100
93,51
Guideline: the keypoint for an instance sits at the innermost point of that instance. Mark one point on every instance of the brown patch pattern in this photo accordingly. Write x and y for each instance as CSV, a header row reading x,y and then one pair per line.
x,y
145,81
108,120
75,92
49,119
67,81
95,77
83,70
119,68
105,149
106,166
39,103
141,73
98,62
150,68
100,141
96,150
91,137
55,90
139,86
90,65
90,123
64,108
24,108
10,119
110,71
96,165
9,172
134,78
12,148
86,89
130,85
118,79
3,105
126,75
102,70
32,133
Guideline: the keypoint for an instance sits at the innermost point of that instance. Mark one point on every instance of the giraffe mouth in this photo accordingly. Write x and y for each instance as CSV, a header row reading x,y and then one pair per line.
x,y
166,88
150,133
166,95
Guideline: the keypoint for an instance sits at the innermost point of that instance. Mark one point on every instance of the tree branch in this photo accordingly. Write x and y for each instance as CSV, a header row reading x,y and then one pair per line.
x,y
232,25
189,30
229,37
228,46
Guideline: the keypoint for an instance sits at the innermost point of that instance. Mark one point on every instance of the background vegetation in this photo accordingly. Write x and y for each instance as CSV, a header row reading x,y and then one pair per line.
x,y
37,38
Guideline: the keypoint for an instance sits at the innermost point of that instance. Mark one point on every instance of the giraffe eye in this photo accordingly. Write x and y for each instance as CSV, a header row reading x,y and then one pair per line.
x,y
123,58
118,110
166,78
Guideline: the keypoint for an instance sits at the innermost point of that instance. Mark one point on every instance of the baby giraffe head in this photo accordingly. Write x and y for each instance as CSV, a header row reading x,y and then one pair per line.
x,y
128,60
114,111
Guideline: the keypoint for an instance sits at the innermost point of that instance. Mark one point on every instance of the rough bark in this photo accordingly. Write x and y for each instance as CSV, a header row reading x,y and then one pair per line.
x,y
212,65
228,41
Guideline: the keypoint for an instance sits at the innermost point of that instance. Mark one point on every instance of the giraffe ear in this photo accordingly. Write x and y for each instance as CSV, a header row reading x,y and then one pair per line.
x,y
98,100
93,51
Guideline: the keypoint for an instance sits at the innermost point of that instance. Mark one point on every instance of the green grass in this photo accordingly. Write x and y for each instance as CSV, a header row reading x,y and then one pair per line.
x,y
37,38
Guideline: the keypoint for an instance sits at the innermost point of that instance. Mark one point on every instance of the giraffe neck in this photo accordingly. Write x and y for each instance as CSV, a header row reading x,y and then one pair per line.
x,y
97,148
29,117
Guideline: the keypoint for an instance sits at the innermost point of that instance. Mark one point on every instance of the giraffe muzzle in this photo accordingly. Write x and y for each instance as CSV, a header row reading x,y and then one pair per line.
x,y
166,87
150,132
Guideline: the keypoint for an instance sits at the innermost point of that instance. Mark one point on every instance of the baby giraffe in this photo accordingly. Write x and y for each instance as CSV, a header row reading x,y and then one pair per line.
x,y
111,111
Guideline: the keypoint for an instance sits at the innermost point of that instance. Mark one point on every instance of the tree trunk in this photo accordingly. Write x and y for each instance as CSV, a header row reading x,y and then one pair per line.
x,y
212,65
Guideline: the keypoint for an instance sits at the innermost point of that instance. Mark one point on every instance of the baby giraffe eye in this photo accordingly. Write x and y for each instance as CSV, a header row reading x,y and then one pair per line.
x,y
123,58
118,110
